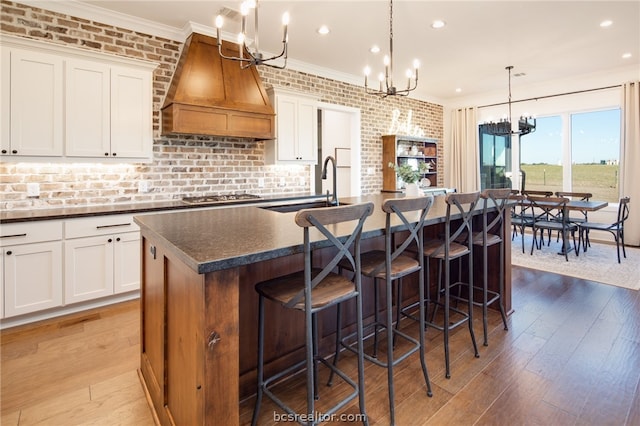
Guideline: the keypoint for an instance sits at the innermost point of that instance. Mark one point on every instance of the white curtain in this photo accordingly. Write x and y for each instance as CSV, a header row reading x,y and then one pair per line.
x,y
463,156
630,167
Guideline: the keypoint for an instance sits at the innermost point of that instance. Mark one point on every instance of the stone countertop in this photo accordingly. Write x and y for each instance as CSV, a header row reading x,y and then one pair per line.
x,y
128,208
215,239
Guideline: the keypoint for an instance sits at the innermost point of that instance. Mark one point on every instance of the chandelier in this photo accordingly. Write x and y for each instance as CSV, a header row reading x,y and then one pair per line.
x,y
526,125
387,87
253,55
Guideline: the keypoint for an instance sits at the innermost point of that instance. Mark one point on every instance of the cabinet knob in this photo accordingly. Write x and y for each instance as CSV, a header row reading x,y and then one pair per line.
x,y
9,253
4,151
109,240
118,239
106,154
114,154
15,151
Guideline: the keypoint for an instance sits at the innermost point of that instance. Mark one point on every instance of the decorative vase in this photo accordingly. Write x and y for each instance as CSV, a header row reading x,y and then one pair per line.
x,y
412,190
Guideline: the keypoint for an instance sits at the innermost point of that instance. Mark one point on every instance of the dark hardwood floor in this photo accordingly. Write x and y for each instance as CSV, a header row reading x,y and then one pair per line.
x,y
571,357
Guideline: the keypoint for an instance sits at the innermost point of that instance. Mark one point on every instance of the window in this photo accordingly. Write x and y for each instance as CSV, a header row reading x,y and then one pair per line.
x,y
595,153
541,155
577,152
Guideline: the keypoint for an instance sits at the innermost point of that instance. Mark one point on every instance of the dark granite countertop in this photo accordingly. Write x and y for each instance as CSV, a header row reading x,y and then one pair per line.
x,y
215,239
124,208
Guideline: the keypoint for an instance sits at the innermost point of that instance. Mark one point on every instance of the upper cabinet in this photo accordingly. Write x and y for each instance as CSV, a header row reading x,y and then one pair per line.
x,y
296,128
32,120
66,102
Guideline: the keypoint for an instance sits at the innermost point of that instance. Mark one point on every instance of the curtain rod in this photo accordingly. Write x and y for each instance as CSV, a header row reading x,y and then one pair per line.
x,y
552,96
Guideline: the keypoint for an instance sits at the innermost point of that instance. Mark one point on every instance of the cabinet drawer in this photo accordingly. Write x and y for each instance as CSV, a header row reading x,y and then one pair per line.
x,y
30,232
102,225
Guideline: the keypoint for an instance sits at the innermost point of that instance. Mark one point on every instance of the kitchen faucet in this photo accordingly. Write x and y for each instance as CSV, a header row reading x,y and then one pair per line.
x,y
333,201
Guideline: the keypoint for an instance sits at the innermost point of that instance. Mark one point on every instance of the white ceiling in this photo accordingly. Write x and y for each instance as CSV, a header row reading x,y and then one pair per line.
x,y
546,40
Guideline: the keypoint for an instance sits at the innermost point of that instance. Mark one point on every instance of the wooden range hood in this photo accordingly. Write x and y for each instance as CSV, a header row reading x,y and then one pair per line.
x,y
214,96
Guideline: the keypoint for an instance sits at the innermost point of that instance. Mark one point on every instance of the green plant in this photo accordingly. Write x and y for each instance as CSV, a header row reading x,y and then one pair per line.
x,y
408,174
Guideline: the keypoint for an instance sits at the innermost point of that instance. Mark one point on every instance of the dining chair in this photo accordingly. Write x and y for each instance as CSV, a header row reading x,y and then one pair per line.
x,y
404,239
311,291
582,196
616,228
551,215
521,216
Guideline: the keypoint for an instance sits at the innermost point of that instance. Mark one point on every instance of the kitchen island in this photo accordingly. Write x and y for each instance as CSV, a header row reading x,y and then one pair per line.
x,y
199,306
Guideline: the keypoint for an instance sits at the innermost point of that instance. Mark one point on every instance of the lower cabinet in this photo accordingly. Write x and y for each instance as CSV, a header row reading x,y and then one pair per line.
x,y
31,267
52,264
98,260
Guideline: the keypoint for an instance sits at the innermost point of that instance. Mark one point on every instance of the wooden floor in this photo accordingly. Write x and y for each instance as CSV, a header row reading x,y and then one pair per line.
x,y
571,357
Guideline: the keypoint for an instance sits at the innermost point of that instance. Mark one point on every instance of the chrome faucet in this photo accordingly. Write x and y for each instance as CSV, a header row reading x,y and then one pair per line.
x,y
333,201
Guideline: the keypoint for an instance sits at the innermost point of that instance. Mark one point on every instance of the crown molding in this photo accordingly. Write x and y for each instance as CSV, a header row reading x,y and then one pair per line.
x,y
100,14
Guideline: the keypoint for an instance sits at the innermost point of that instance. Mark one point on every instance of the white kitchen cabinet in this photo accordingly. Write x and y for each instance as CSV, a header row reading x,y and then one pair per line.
x,y
131,108
73,103
31,266
296,129
32,106
108,111
88,109
102,257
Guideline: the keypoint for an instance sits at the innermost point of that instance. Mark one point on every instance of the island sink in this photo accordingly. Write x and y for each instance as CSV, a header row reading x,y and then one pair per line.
x,y
288,208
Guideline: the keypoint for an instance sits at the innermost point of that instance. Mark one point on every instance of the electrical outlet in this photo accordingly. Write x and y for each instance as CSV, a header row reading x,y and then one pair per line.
x,y
143,186
261,182
33,189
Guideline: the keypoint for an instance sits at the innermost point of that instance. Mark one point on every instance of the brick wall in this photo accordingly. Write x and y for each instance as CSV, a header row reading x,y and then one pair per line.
x,y
187,165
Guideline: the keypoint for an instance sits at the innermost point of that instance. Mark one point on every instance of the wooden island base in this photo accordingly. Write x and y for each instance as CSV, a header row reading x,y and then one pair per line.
x,y
199,330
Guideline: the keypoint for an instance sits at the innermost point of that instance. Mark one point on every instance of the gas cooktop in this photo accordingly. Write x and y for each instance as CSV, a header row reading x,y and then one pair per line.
x,y
223,198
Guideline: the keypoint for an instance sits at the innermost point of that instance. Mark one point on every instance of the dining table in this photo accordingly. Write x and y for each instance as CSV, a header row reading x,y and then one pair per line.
x,y
581,206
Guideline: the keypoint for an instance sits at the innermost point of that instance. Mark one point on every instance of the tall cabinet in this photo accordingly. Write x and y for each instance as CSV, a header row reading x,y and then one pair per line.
x,y
399,150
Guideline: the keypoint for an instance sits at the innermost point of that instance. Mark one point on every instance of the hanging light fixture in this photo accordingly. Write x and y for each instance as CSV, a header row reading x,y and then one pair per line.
x,y
387,88
503,127
253,54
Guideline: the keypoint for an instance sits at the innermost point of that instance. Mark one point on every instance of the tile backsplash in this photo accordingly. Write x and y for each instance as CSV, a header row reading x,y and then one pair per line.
x,y
187,165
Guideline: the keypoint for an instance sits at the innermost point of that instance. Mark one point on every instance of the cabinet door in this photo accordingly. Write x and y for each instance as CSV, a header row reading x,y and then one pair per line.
x,y
87,123
126,262
32,277
131,133
5,104
307,130
36,104
287,128
88,268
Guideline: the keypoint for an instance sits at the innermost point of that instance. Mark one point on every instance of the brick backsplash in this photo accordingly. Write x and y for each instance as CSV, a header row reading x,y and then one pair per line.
x,y
187,165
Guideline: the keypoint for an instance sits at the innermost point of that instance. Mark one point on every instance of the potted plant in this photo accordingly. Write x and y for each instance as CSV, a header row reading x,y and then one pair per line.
x,y
410,176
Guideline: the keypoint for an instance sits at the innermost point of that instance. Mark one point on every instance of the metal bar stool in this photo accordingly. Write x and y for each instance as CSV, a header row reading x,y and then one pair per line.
x,y
313,290
402,214
492,234
446,250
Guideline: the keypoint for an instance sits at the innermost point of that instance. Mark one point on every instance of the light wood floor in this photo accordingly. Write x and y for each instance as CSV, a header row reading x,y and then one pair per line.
x,y
570,357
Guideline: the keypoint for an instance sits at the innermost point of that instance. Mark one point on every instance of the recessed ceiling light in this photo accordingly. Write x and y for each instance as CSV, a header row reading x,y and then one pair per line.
x,y
437,24
374,49
626,55
607,23
458,90
323,30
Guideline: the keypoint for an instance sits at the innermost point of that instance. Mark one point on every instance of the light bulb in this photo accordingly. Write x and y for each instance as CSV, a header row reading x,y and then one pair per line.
x,y
367,71
416,64
381,77
244,8
285,18
386,60
219,21
409,73
241,38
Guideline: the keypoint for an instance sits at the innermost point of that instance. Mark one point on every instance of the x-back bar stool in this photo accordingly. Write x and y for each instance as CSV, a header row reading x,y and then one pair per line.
x,y
446,250
391,265
311,291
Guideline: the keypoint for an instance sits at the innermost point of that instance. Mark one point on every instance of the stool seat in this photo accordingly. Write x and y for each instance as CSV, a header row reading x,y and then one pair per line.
x,y
373,260
435,249
333,289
